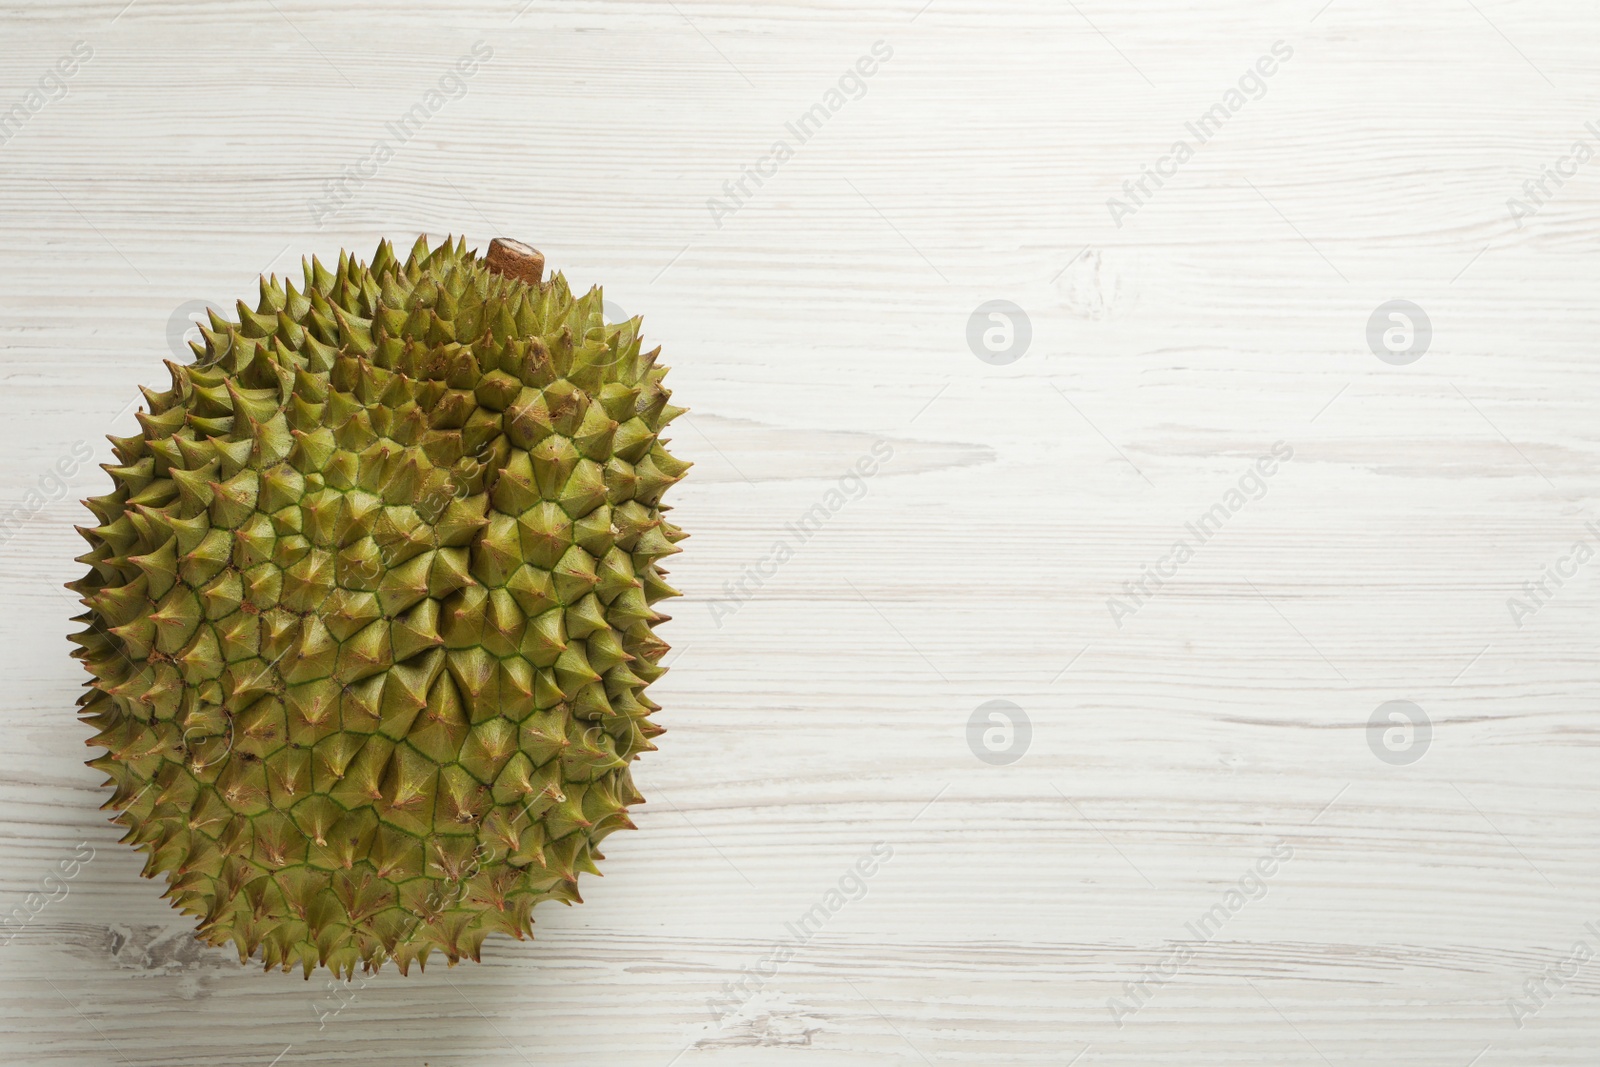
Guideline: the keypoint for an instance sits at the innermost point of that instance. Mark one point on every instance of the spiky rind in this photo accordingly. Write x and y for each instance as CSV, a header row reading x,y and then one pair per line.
x,y
370,609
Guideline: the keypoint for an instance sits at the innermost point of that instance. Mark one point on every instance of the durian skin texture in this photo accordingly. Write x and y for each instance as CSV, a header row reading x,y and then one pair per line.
x,y
371,608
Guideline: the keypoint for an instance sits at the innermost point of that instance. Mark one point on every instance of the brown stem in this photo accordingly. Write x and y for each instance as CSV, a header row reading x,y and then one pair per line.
x,y
513,259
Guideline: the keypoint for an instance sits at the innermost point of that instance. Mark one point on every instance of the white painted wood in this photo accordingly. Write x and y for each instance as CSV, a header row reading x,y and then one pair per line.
x,y
829,712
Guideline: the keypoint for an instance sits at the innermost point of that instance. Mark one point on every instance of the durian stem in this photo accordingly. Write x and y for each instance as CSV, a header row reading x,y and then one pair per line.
x,y
513,259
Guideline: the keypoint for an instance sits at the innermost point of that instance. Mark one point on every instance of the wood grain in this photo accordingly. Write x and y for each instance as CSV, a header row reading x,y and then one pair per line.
x,y
829,711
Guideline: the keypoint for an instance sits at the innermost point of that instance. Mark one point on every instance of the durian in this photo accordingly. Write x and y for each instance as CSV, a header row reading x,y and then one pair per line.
x,y
371,607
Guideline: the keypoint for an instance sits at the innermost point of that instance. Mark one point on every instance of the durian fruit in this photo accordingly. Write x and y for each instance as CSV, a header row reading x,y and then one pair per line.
x,y
371,607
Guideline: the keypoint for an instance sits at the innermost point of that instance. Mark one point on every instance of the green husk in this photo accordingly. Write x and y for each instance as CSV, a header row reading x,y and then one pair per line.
x,y
371,609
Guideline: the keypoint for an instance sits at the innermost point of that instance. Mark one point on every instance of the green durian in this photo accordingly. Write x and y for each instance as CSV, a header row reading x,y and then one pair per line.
x,y
371,607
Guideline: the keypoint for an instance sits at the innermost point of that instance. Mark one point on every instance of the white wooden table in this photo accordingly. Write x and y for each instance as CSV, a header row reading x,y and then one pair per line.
x,y
1224,723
